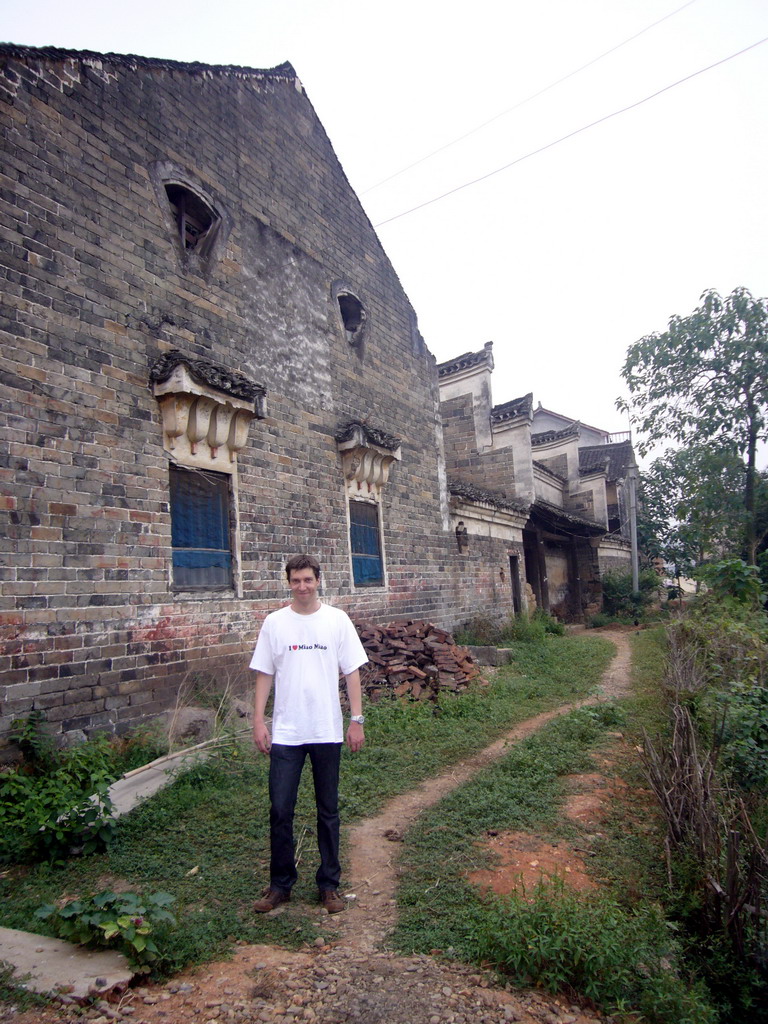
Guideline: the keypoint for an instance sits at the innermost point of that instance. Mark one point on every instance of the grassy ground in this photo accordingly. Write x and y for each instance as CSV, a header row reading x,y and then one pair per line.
x,y
213,820
615,947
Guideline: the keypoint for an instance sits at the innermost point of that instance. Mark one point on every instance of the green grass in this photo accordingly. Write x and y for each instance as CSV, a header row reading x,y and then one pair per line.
x,y
615,947
523,790
628,855
214,818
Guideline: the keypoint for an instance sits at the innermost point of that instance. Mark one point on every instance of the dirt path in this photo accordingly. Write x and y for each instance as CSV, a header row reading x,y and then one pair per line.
x,y
348,977
373,856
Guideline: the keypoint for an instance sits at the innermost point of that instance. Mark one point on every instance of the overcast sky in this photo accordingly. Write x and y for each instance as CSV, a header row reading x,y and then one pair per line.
x,y
567,257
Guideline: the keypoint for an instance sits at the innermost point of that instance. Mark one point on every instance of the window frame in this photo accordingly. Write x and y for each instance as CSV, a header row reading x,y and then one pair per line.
x,y
181,520
358,557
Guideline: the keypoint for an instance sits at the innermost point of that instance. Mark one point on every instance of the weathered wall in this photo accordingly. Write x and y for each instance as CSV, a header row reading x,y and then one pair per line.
x,y
558,573
614,555
492,469
97,288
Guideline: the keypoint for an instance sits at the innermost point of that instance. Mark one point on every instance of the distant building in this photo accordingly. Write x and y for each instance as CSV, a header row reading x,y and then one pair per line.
x,y
568,481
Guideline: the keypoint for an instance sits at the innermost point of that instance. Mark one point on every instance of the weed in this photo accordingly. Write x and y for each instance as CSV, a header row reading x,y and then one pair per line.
x,y
142,745
35,743
14,991
484,631
64,809
556,939
126,921
621,599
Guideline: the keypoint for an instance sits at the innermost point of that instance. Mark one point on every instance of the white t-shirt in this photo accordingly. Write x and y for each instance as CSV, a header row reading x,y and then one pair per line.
x,y
305,653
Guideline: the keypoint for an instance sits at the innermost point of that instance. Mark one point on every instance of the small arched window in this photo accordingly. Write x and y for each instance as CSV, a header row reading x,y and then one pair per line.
x,y
353,316
196,222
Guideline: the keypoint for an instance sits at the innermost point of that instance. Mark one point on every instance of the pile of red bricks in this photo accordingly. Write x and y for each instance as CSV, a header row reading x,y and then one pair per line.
x,y
414,659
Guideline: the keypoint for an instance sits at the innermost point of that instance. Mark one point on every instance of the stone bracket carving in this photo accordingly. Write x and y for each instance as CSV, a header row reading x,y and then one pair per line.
x,y
202,426
366,464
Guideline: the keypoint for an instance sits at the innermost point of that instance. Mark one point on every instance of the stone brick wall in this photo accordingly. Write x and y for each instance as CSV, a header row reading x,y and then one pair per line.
x,y
97,287
492,470
615,555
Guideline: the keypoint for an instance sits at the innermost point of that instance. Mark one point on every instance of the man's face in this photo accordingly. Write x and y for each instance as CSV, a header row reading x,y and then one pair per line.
x,y
303,584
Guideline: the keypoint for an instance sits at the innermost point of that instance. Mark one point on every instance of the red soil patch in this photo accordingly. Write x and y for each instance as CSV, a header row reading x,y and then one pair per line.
x,y
524,860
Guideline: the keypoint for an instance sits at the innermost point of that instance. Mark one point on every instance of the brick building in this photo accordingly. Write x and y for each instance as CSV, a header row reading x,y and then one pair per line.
x,y
208,364
565,486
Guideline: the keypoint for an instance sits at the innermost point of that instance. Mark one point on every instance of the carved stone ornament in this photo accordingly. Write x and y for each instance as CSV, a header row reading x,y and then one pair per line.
x,y
366,464
202,425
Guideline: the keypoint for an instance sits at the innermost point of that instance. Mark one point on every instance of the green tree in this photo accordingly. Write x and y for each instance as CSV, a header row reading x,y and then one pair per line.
x,y
706,379
692,506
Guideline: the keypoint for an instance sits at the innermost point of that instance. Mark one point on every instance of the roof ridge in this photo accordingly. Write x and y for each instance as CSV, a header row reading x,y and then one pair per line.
x,y
284,71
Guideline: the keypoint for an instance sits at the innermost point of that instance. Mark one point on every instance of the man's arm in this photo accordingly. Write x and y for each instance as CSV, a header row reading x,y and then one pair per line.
x,y
261,736
355,732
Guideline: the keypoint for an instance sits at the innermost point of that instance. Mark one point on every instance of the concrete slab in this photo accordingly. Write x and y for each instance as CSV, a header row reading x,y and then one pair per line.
x,y
142,782
54,967
127,792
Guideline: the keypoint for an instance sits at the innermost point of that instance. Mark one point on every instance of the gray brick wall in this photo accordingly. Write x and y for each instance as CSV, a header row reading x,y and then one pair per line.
x,y
96,288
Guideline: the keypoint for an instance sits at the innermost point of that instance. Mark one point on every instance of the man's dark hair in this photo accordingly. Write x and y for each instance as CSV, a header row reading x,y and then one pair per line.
x,y
302,562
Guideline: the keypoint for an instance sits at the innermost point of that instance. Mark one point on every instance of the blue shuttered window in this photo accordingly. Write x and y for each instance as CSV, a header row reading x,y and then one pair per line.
x,y
367,565
200,535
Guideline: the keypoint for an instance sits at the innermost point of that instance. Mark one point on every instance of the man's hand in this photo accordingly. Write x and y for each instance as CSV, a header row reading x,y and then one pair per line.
x,y
261,737
355,737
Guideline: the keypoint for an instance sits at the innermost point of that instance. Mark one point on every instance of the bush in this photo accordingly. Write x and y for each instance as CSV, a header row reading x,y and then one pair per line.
x,y
50,817
56,802
484,631
733,577
743,734
479,631
555,939
125,921
620,599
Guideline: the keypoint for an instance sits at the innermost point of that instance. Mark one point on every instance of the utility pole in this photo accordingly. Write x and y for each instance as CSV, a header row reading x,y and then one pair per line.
x,y
632,481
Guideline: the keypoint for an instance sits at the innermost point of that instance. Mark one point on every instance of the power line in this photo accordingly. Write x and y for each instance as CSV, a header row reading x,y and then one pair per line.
x,y
570,135
527,99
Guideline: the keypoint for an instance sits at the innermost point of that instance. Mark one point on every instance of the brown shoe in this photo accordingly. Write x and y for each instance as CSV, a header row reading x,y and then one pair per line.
x,y
331,900
271,899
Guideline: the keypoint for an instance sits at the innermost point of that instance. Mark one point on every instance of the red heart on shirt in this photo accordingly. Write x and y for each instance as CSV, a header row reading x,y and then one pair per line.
x,y
295,647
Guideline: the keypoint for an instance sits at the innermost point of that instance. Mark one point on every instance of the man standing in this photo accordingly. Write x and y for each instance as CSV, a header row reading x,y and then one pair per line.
x,y
302,648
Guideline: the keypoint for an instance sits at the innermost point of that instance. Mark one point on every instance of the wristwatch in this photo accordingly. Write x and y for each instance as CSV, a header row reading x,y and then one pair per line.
x,y
357,718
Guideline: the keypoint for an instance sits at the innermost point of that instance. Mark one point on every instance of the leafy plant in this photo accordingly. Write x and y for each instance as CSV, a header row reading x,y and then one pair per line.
x,y
139,747
66,808
733,577
556,939
125,921
37,746
485,631
745,735
619,597
54,816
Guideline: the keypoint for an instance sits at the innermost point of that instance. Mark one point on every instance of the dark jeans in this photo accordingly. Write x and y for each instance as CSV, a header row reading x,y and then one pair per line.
x,y
285,766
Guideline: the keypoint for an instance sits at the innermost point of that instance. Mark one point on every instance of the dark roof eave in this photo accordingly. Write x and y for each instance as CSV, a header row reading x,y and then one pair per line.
x,y
565,521
477,494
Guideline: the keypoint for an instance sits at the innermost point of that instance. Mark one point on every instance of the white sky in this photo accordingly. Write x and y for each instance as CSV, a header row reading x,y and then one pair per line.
x,y
564,259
